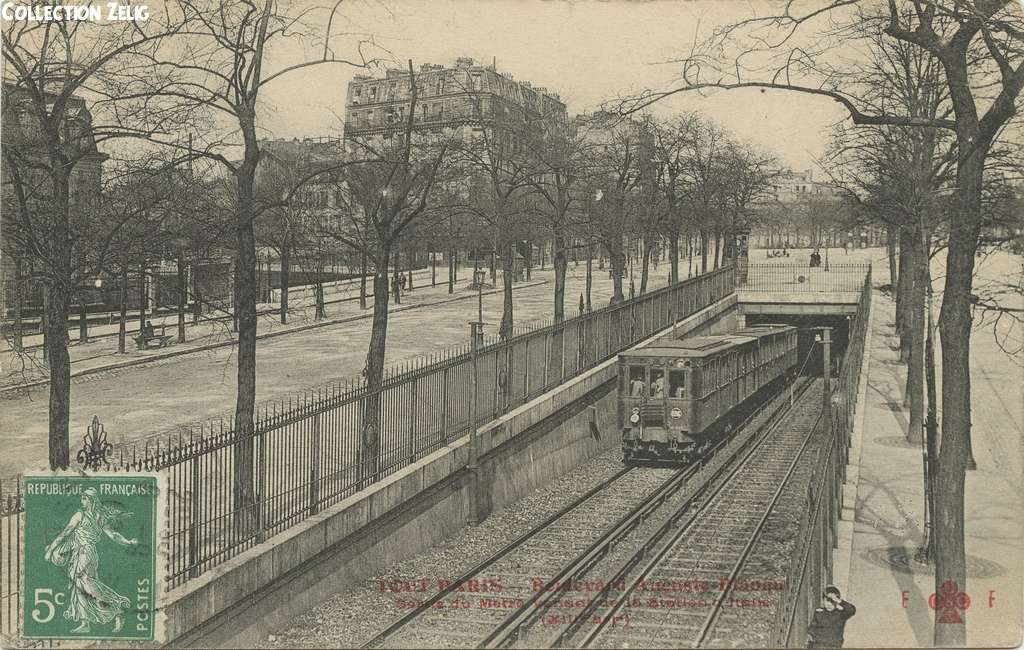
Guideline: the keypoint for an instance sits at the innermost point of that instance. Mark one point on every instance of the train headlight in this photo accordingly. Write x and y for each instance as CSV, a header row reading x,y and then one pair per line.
x,y
677,413
634,417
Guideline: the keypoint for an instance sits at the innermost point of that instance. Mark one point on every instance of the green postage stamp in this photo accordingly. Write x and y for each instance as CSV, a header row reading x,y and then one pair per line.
x,y
91,566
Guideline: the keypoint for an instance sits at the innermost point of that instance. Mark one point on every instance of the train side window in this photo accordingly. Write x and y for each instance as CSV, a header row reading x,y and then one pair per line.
x,y
636,381
657,382
677,384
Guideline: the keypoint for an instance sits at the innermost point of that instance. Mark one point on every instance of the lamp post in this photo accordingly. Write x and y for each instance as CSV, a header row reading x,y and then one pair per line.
x,y
476,335
598,195
83,318
825,338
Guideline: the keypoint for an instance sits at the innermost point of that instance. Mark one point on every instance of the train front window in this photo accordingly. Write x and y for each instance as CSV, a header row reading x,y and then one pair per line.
x,y
636,381
657,382
677,383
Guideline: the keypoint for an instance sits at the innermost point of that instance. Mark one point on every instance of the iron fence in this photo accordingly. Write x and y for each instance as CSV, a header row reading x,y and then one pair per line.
x,y
801,278
810,566
309,452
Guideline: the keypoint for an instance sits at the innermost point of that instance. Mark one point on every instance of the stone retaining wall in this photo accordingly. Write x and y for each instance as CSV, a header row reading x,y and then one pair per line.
x,y
239,602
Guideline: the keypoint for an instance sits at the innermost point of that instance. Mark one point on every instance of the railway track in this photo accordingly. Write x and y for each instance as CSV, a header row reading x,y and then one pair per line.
x,y
536,571
504,580
697,553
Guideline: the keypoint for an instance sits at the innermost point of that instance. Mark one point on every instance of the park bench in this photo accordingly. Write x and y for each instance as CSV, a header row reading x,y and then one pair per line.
x,y
148,335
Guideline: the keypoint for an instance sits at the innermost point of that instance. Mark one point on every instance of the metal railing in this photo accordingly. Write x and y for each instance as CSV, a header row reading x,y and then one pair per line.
x,y
810,566
801,278
308,453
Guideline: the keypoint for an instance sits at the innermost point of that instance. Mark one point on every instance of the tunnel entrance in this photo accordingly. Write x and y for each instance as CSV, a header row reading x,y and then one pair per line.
x,y
809,354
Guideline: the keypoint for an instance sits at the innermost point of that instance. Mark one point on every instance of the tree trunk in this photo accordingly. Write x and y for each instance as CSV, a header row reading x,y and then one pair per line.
x,y
703,251
245,284
182,295
718,250
529,260
451,271
433,268
286,271
914,393
410,263
143,296
891,249
362,279
374,371
396,286
955,330
646,268
617,260
673,249
19,296
56,306
590,272
689,255
318,289
507,271
906,279
560,263
122,323
83,317
931,443
197,301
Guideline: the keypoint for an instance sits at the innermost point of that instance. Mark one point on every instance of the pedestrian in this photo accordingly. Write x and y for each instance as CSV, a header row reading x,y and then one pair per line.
x,y
826,628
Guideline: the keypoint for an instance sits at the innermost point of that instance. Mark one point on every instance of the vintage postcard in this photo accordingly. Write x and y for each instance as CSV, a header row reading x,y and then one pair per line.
x,y
512,323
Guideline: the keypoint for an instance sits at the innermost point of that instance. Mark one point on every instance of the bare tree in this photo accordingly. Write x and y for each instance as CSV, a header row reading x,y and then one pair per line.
x,y
501,177
51,160
980,45
215,74
385,196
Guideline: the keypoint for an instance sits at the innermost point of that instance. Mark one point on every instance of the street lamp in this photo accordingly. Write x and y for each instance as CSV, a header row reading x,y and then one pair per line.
x,y
83,323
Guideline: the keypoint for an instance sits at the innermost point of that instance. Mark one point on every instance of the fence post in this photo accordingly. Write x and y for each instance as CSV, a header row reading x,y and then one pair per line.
x,y
444,406
193,528
314,470
412,423
471,465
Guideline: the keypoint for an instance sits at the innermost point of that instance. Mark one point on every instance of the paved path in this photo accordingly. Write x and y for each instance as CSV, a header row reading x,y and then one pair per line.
x,y
167,392
889,506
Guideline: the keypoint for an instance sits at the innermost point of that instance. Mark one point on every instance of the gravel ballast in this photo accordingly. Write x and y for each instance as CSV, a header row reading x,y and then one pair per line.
x,y
353,617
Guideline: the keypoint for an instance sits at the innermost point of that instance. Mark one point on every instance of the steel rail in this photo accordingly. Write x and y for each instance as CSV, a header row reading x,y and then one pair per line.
x,y
428,604
712,616
518,623
707,491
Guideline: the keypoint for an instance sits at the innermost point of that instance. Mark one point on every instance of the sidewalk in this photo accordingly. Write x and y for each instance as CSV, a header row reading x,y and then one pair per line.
x,y
300,300
878,573
101,353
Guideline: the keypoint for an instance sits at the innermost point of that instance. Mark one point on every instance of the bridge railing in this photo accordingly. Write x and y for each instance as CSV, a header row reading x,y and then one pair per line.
x,y
800,278
810,565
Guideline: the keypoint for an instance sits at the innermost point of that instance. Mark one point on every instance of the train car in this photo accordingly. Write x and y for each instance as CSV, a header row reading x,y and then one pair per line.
x,y
676,396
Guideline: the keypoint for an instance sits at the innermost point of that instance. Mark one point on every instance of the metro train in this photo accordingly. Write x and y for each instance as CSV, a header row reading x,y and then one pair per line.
x,y
677,397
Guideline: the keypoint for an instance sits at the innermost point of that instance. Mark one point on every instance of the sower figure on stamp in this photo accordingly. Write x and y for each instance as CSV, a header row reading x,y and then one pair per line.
x,y
75,549
826,628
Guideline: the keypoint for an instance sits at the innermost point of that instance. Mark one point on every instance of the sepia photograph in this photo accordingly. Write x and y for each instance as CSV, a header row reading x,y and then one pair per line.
x,y
512,323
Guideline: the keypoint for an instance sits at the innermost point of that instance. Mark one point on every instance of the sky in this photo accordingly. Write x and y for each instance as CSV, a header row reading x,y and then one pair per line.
x,y
588,52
